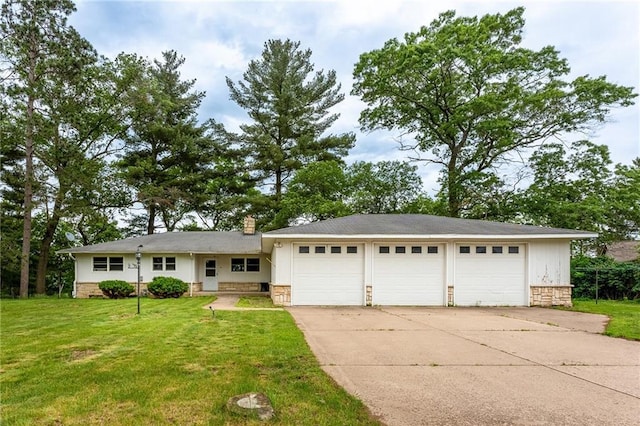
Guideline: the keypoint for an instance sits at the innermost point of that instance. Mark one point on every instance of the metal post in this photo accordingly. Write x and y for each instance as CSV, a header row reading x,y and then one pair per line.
x,y
138,256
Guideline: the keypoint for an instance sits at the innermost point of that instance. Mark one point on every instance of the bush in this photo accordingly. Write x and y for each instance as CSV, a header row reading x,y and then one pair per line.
x,y
115,289
616,280
163,287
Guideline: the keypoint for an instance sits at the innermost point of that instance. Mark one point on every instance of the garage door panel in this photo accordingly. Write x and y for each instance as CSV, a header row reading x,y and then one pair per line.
x,y
411,279
490,279
328,278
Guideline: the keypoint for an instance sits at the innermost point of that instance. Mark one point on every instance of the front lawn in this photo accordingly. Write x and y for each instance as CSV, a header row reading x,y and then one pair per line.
x,y
94,361
624,316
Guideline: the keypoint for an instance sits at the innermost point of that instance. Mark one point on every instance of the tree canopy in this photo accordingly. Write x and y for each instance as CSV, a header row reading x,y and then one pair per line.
x,y
470,97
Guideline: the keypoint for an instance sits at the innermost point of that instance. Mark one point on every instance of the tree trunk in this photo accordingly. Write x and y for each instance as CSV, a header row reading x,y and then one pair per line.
x,y
278,185
28,185
151,224
453,190
45,245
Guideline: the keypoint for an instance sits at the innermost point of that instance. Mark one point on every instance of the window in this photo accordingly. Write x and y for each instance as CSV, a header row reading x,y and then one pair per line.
x,y
514,249
401,249
108,263
416,249
352,249
170,263
320,249
432,249
481,249
157,264
210,268
303,249
384,249
253,264
336,249
496,249
237,265
116,264
465,249
99,263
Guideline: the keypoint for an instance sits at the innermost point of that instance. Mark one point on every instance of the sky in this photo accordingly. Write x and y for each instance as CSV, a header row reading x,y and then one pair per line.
x,y
219,38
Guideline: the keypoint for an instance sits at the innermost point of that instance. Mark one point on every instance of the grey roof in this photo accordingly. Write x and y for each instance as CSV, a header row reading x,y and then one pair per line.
x,y
418,224
233,242
624,251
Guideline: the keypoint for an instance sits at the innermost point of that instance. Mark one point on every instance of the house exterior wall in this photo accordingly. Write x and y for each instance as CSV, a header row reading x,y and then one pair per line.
x,y
550,273
189,268
545,275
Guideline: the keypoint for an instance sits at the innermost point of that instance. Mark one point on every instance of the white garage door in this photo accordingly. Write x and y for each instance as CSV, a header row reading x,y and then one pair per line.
x,y
490,274
408,274
331,274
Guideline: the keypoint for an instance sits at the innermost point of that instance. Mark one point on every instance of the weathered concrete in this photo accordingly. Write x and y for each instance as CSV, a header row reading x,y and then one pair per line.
x,y
459,366
227,302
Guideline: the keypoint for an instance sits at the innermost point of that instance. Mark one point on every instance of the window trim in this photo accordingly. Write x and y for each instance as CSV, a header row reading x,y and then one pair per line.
x,y
514,250
119,265
401,249
384,249
464,249
481,249
335,250
352,249
101,268
416,249
432,249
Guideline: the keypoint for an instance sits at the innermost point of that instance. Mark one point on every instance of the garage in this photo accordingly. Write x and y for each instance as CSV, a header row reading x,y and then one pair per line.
x,y
490,274
328,274
408,274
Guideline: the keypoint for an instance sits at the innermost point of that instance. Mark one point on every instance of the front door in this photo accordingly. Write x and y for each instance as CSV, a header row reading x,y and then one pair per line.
x,y
210,281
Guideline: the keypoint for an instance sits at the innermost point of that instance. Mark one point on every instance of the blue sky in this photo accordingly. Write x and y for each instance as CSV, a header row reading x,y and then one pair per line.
x,y
219,38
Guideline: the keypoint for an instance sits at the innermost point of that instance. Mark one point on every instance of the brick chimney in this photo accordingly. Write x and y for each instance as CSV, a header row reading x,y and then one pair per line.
x,y
249,226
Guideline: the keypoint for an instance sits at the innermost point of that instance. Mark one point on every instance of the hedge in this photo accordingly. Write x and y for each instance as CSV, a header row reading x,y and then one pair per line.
x,y
115,289
615,280
163,287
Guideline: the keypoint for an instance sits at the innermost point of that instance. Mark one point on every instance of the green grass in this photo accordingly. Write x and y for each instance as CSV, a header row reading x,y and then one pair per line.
x,y
95,361
624,316
255,302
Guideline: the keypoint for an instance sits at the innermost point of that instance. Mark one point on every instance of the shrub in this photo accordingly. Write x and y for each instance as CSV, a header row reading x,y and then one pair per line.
x,y
163,287
615,280
115,289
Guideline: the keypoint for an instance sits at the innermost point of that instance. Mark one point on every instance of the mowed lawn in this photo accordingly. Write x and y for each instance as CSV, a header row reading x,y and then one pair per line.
x,y
624,316
95,361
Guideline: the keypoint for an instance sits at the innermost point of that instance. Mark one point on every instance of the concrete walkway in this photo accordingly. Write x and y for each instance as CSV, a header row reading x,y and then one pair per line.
x,y
227,302
477,366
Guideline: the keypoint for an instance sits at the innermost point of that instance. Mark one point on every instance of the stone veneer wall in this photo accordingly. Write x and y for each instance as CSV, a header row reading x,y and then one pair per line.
x,y
87,290
280,294
550,296
450,295
369,299
223,286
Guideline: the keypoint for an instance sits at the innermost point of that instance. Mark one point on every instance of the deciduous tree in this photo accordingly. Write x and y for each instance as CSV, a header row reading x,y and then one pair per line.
x,y
471,97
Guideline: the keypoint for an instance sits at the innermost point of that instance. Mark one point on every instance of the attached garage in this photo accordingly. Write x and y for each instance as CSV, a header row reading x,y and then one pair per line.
x,y
328,274
420,260
408,274
490,274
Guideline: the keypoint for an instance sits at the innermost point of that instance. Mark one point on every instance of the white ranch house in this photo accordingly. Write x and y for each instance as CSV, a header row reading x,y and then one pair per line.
x,y
391,259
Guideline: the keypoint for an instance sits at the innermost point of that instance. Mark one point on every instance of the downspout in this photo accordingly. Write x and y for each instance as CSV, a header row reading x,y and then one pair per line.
x,y
192,269
74,292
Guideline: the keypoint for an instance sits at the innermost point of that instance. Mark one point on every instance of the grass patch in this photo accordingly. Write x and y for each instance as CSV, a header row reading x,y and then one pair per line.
x,y
255,302
624,316
94,361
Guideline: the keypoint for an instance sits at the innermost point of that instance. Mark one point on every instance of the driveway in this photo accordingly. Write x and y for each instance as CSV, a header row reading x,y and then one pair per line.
x,y
477,366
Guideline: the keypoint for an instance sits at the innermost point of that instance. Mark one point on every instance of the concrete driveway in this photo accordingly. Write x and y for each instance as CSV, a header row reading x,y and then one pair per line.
x,y
477,366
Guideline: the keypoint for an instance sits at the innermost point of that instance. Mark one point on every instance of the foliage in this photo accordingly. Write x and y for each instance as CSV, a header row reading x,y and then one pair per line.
x,y
383,187
288,104
115,289
473,98
164,287
624,316
88,361
64,117
169,159
614,280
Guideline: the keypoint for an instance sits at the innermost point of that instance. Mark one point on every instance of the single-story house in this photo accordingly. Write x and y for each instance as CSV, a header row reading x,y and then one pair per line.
x,y
385,259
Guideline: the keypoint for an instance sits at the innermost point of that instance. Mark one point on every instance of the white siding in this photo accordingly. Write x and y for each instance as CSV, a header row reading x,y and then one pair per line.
x,y
549,263
281,259
87,274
